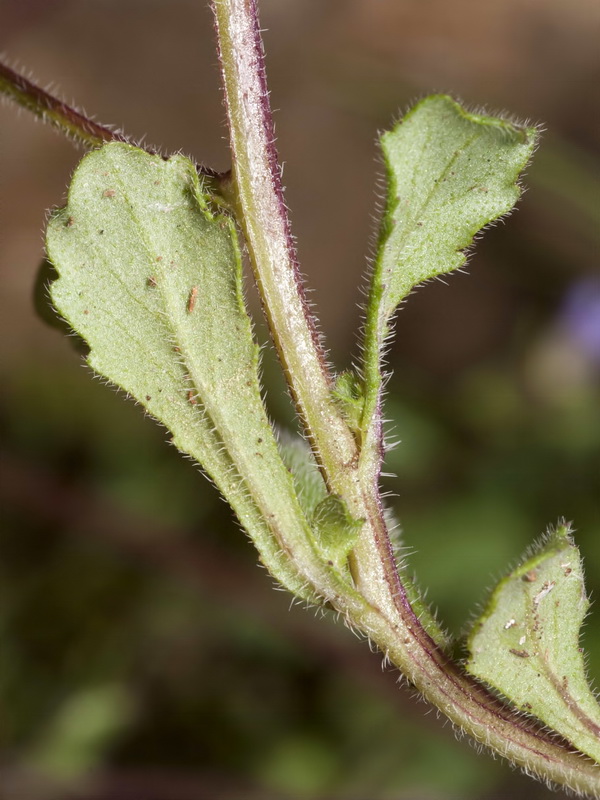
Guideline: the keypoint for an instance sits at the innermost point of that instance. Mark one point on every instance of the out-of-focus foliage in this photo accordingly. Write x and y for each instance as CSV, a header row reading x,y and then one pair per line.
x,y
140,647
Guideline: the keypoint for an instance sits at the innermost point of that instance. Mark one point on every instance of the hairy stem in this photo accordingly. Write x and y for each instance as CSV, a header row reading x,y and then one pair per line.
x,y
387,616
53,111
72,123
258,194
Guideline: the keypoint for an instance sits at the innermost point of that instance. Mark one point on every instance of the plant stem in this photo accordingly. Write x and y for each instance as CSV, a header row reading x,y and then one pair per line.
x,y
53,111
387,616
72,123
258,194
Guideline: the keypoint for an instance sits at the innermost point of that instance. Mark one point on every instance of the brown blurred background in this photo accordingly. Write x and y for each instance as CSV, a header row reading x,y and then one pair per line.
x,y
142,654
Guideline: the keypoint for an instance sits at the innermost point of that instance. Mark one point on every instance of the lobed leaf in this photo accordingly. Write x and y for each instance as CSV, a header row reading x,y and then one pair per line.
x,y
151,278
449,173
526,644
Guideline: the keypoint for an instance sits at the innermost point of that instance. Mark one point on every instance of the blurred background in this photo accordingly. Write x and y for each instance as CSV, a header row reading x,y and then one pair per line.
x,y
142,653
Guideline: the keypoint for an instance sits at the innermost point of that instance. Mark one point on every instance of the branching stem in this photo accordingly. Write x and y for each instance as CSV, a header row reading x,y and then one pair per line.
x,y
387,616
68,120
379,604
55,112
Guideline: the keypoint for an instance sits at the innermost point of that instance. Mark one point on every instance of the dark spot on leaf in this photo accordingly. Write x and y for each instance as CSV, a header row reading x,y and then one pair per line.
x,y
191,303
519,653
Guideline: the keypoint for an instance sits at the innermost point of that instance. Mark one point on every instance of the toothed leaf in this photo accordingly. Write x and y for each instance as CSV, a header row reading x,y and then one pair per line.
x,y
449,173
526,644
151,278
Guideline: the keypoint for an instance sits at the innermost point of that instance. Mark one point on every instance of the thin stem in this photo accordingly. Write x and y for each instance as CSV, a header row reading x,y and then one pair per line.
x,y
72,123
54,112
386,616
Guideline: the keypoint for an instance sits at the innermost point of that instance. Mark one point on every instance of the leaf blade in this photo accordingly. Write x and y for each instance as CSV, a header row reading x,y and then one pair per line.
x,y
151,279
526,643
450,173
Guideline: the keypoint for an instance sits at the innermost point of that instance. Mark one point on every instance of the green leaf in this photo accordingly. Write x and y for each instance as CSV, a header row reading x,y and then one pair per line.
x,y
336,531
349,394
526,644
449,174
151,278
308,481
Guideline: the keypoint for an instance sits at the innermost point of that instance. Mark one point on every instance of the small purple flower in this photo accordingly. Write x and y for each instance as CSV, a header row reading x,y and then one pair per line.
x,y
580,316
